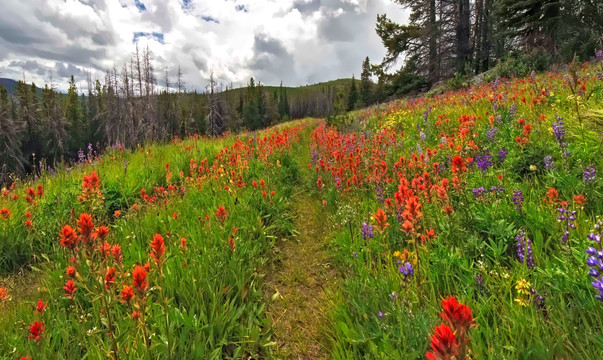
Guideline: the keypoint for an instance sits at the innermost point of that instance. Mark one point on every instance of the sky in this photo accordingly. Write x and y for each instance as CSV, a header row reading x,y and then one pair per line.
x,y
297,42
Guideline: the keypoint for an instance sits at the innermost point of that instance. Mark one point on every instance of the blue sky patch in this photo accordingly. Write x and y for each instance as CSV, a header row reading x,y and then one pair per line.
x,y
140,5
155,35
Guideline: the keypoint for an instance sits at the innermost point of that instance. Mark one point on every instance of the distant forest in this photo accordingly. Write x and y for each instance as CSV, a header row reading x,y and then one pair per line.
x,y
444,45
132,107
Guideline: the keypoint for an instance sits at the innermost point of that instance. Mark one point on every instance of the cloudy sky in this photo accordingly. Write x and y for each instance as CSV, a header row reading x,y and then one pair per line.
x,y
297,41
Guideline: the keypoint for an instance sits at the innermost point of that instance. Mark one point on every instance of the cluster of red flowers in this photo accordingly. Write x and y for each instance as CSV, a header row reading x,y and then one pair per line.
x,y
5,214
90,187
31,194
222,214
449,339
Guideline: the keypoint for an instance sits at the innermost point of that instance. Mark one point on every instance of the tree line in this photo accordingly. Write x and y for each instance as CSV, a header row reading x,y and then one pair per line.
x,y
447,39
131,107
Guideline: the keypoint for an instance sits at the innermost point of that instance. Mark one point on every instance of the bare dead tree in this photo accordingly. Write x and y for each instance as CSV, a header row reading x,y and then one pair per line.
x,y
215,119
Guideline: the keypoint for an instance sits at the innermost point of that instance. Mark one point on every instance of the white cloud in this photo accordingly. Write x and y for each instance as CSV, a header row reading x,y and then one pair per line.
x,y
296,41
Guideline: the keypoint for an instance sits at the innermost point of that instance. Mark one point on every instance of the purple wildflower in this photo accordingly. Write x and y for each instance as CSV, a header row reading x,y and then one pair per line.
x,y
595,260
502,154
524,249
517,199
548,163
367,231
491,133
512,110
479,192
599,55
484,161
589,175
407,269
568,217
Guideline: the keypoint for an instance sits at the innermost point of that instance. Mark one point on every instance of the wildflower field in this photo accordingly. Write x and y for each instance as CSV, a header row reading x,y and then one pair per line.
x,y
462,225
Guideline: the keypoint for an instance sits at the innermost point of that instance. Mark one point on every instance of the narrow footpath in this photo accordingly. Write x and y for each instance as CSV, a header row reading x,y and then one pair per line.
x,y
298,286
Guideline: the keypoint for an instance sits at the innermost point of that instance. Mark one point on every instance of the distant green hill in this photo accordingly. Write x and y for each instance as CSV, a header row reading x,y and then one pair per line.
x,y
9,84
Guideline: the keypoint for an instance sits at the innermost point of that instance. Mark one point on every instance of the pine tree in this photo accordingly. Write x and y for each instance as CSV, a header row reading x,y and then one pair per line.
x,y
366,85
11,158
74,117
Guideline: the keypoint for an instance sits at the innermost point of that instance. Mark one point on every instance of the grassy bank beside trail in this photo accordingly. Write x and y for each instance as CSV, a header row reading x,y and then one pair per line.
x,y
167,263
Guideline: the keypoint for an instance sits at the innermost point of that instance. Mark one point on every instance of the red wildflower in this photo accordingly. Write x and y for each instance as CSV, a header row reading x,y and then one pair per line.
x,y
448,209
183,244
68,236
117,213
40,190
221,214
157,248
381,220
231,243
36,330
116,252
139,278
31,193
579,200
85,225
101,232
127,293
69,288
552,196
70,271
110,278
456,314
5,213
40,307
3,294
135,315
443,344
28,223
319,183
407,227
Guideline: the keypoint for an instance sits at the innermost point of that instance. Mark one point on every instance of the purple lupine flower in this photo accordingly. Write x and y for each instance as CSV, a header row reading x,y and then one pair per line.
x,y
595,260
367,231
484,161
599,55
380,315
479,280
513,110
407,269
443,140
502,154
80,156
379,191
524,249
491,133
517,199
479,192
495,189
548,163
589,175
559,132
422,136
568,217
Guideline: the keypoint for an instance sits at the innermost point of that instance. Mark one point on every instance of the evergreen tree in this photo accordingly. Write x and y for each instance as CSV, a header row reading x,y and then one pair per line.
x,y
365,86
11,158
74,117
353,98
